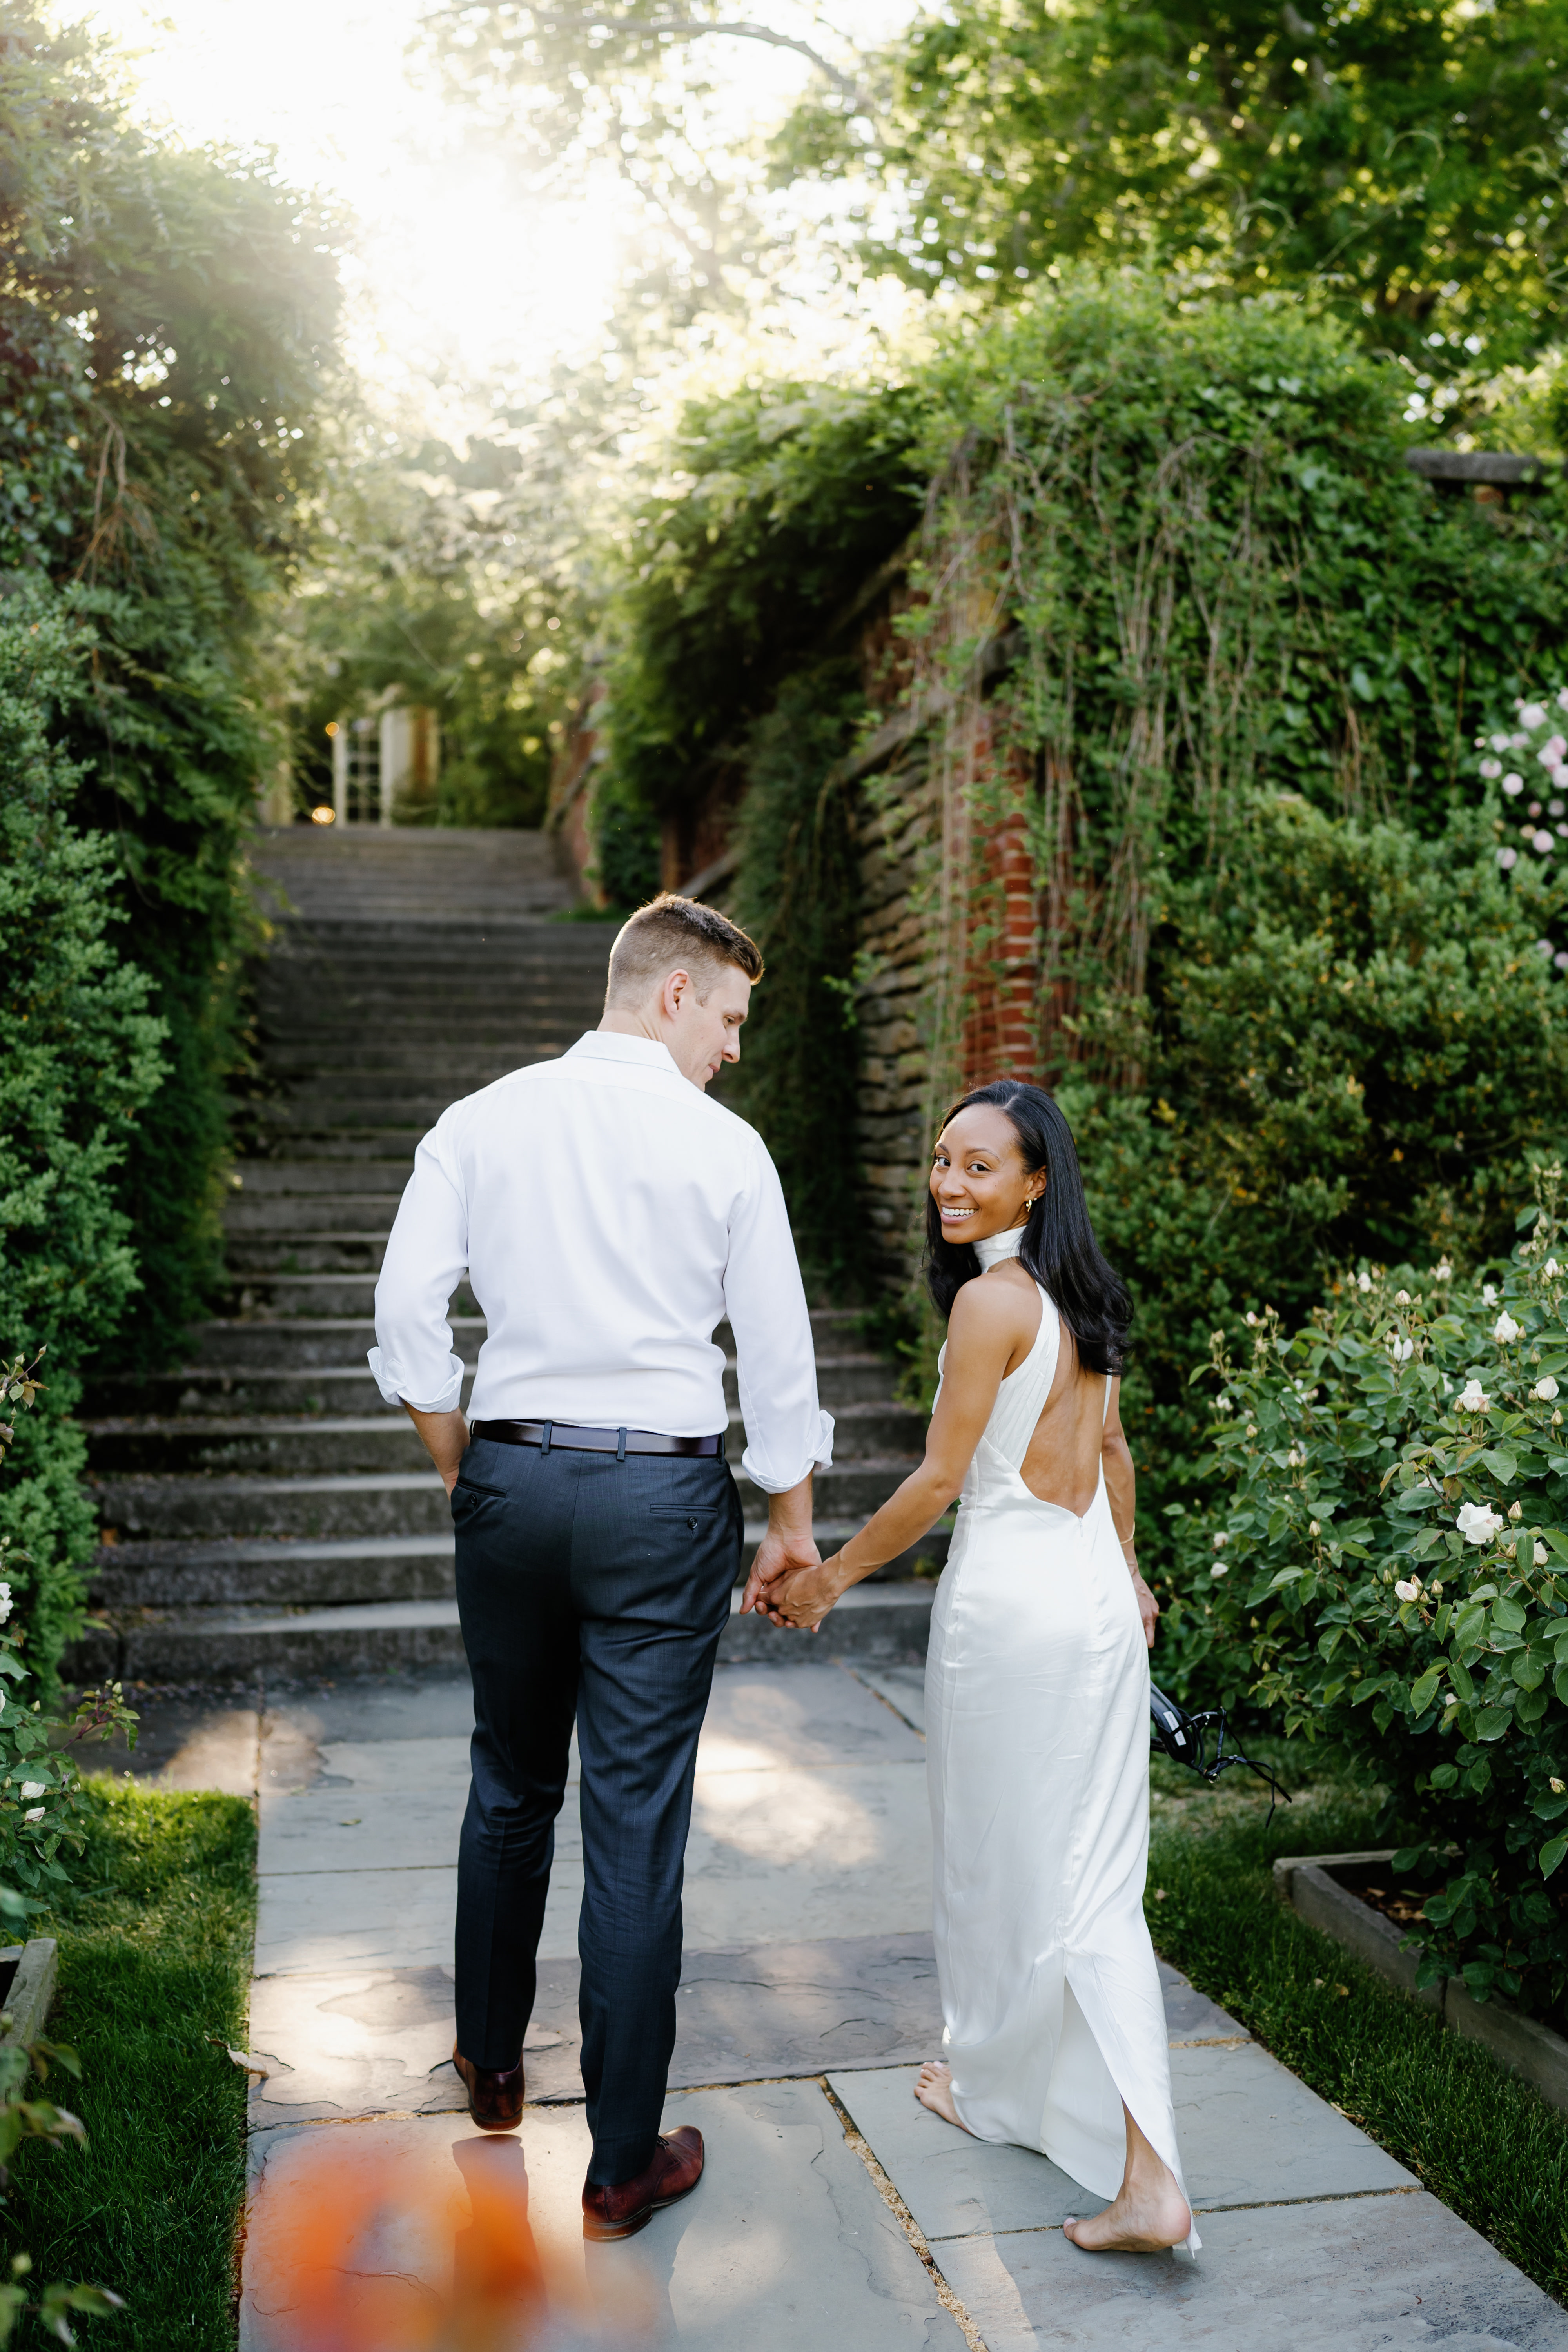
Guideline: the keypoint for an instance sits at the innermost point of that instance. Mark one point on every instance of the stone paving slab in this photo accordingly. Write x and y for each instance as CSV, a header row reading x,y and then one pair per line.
x,y
1387,2273
787,2246
796,1854
901,1688
379,2041
1250,2134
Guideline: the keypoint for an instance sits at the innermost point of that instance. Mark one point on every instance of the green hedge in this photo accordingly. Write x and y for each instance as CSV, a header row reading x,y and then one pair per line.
x,y
79,1061
1384,1566
167,323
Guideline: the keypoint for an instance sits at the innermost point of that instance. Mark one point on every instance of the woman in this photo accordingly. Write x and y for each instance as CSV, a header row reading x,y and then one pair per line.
x,y
1036,1680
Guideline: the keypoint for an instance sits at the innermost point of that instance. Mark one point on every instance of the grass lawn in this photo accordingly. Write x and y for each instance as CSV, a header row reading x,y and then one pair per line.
x,y
1475,2136
155,1956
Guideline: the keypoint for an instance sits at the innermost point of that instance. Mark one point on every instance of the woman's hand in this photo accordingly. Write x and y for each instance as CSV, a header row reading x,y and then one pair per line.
x,y
1148,1607
805,1598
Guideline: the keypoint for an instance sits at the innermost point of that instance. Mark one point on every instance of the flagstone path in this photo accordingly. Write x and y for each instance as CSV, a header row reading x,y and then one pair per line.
x,y
834,2210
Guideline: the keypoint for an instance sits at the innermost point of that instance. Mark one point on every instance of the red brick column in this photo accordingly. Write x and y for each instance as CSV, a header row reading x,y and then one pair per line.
x,y
1002,1024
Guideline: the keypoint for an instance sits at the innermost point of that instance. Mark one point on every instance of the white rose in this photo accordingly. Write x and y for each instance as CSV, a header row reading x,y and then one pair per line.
x,y
1488,1293
1540,841
1402,1298
1219,1569
1499,742
1546,948
1220,1542
1512,785
1363,1282
1544,1390
1444,1273
1478,1522
1563,698
1472,1398
1549,1271
1400,1350
36,1815
35,1788
1410,1591
1490,768
5,1602
1507,858
1531,715
1541,1555
1505,1330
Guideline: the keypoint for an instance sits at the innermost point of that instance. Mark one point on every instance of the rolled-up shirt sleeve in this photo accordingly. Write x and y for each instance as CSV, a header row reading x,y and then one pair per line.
x,y
426,1255
787,1432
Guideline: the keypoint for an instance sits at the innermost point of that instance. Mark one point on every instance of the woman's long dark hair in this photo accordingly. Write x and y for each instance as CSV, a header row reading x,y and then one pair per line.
x,y
1058,1248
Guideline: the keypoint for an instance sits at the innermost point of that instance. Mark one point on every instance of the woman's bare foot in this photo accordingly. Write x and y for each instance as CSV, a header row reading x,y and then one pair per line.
x,y
1135,2225
934,2090
1149,2214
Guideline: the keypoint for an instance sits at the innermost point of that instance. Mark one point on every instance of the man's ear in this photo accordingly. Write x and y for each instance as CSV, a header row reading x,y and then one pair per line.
x,y
676,985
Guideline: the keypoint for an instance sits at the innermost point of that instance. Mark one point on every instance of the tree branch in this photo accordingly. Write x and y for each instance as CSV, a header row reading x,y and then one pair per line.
x,y
685,28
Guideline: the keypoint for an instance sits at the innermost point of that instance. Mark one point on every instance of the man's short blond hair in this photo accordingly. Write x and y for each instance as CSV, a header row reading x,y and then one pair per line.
x,y
671,934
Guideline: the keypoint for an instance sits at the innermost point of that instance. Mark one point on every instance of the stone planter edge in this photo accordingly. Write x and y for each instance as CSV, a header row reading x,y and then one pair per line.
x,y
32,1990
1521,2043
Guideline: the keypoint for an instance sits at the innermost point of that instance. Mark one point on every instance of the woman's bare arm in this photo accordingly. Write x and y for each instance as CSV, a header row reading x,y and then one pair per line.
x,y
1121,1490
990,1325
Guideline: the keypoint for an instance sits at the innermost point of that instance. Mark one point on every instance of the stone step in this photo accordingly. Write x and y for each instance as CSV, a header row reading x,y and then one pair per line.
x,y
303,1445
265,1253
443,1078
393,1502
330,1147
878,1624
303,1179
124,1577
201,1392
313,1295
305,1343
315,1112
288,1214
312,1337
352,1056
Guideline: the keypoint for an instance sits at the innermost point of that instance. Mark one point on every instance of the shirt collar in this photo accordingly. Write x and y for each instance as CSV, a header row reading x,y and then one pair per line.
x,y
610,1046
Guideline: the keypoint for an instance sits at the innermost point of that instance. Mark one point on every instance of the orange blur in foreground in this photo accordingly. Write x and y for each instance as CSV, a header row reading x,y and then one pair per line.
x,y
367,2251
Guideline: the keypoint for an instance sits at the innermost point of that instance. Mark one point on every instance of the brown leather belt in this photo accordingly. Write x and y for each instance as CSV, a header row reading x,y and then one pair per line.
x,y
572,1439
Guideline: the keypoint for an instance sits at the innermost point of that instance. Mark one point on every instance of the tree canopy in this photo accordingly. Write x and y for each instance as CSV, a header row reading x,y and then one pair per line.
x,y
1403,161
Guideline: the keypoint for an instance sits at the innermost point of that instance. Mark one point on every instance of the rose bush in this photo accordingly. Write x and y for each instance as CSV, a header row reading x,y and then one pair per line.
x,y
1385,1565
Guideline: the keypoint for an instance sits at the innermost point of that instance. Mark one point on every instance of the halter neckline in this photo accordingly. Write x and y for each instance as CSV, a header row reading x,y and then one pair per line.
x,y
996,1246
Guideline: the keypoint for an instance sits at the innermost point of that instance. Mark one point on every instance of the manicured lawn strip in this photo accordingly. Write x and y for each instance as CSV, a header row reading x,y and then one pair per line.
x,y
149,1967
1475,2136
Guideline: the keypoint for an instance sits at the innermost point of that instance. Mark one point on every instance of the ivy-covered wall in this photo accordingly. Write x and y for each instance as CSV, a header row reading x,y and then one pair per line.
x,y
1191,669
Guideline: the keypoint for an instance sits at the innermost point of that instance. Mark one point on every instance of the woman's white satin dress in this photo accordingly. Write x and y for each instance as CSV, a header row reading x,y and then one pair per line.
x,y
1037,1719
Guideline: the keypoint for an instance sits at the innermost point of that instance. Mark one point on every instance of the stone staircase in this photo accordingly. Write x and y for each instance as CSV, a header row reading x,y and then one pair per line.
x,y
262,1511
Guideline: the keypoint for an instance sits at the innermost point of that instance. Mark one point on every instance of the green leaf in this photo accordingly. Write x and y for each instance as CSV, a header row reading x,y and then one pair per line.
x,y
1459,1675
1508,1615
1552,1854
1445,1775
1491,1722
1501,1463
1423,1693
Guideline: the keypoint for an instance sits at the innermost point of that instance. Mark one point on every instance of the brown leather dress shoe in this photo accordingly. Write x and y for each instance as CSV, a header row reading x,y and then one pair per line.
x,y
495,2093
629,2206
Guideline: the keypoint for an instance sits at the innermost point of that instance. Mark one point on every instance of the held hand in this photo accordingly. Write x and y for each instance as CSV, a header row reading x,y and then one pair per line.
x,y
1148,1607
803,1600
778,1556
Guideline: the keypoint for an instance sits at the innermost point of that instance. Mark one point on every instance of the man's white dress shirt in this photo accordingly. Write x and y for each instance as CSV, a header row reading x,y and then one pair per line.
x,y
609,1216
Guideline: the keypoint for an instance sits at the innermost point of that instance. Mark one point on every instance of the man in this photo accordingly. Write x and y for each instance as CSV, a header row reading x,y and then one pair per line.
x,y
609,1216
